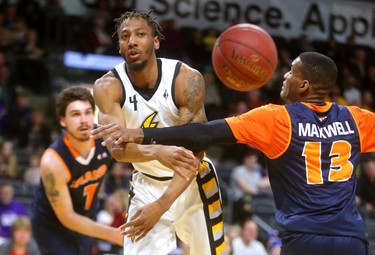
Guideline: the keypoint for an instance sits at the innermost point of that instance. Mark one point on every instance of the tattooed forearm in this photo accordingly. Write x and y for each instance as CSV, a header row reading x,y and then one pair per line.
x,y
50,187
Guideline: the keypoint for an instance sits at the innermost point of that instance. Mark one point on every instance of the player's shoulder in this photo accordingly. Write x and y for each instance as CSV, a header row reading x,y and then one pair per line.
x,y
51,160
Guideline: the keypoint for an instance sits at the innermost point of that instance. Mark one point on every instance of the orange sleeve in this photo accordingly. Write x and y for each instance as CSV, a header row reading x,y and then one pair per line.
x,y
365,121
266,128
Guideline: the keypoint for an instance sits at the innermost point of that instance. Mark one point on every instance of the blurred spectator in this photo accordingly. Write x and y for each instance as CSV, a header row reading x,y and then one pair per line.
x,y
8,160
40,134
29,47
350,83
336,96
21,242
358,62
10,210
247,242
245,181
366,187
20,118
32,173
99,41
113,214
118,177
367,100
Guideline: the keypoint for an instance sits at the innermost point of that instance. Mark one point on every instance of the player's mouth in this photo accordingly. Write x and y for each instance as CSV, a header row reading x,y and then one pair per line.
x,y
84,129
134,54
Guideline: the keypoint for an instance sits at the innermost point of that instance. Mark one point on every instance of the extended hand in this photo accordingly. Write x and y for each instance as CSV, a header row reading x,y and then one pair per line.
x,y
179,159
143,221
117,134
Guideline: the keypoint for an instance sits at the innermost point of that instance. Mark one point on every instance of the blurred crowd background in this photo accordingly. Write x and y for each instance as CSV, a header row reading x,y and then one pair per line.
x,y
34,37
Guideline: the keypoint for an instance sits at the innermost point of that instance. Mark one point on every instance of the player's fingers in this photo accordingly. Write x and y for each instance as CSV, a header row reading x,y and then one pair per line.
x,y
178,171
100,130
141,236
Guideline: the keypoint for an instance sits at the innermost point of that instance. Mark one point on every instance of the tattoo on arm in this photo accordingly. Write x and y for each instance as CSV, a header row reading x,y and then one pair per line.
x,y
49,185
193,97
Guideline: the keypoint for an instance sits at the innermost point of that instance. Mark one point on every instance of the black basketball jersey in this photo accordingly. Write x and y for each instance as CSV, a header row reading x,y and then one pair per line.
x,y
87,174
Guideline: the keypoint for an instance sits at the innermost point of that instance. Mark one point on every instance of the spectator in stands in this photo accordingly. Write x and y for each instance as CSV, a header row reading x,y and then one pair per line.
x,y
21,242
32,173
8,160
366,187
350,84
336,96
113,214
245,181
247,242
10,210
29,47
40,133
367,100
20,111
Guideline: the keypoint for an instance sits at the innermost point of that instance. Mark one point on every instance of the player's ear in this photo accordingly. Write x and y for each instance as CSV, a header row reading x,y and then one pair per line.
x,y
156,43
304,86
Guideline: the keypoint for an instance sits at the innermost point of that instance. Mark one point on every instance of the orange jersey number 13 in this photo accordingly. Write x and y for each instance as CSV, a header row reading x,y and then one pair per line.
x,y
340,169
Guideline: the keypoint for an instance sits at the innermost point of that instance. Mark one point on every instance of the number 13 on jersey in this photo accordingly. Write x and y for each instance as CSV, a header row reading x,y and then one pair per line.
x,y
340,168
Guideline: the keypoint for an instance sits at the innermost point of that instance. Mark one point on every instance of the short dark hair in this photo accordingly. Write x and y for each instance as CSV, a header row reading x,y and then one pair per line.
x,y
156,28
71,94
318,69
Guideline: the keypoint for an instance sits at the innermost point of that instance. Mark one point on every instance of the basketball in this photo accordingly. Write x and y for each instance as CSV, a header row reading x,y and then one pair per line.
x,y
244,57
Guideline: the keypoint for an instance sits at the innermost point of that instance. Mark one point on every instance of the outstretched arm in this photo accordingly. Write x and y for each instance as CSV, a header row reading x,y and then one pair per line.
x,y
193,136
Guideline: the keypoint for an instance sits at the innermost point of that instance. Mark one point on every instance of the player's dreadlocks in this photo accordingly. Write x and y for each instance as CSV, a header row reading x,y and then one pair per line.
x,y
156,28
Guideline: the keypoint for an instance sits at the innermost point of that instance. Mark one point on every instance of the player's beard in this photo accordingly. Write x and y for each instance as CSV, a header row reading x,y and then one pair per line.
x,y
77,136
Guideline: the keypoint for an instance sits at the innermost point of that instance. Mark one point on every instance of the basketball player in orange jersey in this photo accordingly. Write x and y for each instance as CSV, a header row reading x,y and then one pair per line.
x,y
312,150
150,92
73,168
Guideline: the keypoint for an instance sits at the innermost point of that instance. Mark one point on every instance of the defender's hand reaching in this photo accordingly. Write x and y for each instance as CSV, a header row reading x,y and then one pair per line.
x,y
117,134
